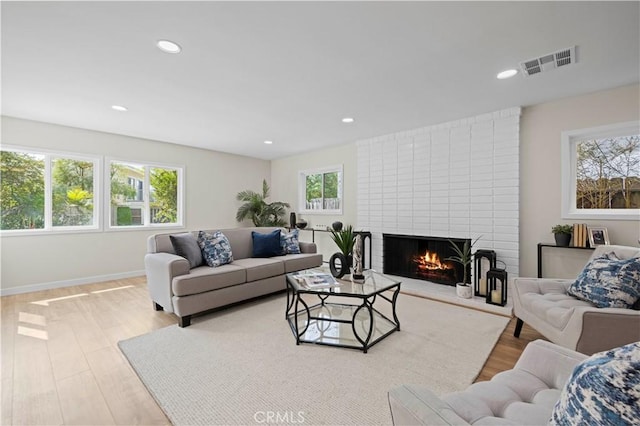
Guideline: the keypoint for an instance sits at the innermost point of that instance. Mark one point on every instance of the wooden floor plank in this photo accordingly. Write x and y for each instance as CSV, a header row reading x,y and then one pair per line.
x,y
65,359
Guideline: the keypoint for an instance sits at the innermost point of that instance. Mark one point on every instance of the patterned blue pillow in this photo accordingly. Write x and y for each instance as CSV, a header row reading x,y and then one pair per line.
x,y
215,247
604,389
609,282
290,243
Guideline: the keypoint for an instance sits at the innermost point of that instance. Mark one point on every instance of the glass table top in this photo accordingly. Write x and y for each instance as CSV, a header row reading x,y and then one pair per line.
x,y
374,283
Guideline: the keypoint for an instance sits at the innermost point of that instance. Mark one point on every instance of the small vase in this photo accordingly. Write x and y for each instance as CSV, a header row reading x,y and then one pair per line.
x,y
562,240
292,219
463,291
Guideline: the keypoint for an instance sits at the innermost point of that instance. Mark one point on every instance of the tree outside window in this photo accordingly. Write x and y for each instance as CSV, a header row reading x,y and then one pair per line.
x,y
21,190
321,190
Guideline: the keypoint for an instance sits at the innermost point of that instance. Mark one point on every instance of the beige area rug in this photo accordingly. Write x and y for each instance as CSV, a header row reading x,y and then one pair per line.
x,y
242,366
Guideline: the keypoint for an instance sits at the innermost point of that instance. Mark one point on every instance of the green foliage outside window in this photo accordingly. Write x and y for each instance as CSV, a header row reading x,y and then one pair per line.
x,y
164,195
21,191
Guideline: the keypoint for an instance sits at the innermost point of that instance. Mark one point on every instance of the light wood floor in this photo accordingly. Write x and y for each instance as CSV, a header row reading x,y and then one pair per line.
x,y
61,363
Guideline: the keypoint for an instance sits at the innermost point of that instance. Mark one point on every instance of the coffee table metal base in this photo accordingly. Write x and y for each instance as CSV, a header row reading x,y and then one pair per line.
x,y
341,324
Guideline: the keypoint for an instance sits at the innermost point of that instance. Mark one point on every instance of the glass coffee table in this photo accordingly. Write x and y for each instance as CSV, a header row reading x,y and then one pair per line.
x,y
342,315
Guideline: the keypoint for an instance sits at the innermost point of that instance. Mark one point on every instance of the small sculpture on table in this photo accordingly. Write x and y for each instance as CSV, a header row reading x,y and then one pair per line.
x,y
357,275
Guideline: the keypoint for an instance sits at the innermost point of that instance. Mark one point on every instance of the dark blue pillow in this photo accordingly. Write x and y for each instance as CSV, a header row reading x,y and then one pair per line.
x,y
266,245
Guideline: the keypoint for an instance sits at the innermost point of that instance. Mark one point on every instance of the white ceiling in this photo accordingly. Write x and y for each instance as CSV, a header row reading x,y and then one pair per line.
x,y
289,71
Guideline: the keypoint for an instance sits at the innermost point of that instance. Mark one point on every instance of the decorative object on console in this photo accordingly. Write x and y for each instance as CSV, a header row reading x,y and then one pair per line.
x,y
484,261
292,220
598,236
497,281
464,257
301,224
357,275
581,235
337,226
562,234
258,210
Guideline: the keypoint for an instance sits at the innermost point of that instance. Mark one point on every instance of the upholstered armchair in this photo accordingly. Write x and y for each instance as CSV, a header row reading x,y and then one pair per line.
x,y
570,322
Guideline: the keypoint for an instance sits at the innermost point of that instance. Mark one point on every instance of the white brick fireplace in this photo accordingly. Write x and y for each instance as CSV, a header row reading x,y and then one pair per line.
x,y
457,179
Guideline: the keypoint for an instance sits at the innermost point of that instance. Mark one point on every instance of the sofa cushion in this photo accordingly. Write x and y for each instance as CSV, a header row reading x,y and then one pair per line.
x,y
553,308
609,282
260,268
205,278
266,245
289,242
186,245
216,249
298,262
603,389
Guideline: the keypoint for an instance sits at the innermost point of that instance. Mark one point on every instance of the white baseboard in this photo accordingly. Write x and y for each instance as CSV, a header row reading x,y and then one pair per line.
x,y
68,283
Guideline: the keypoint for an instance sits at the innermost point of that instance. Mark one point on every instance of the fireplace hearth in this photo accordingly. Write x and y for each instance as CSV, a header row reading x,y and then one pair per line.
x,y
423,258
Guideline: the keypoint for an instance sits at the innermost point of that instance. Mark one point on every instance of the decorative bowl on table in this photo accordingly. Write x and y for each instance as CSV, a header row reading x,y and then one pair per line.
x,y
301,224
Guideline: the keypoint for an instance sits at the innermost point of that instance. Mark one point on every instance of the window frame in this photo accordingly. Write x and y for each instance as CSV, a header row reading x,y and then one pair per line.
x,y
569,140
146,214
49,228
302,189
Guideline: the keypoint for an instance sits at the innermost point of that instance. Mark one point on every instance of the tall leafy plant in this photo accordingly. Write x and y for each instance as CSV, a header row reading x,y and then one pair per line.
x,y
257,209
344,239
464,256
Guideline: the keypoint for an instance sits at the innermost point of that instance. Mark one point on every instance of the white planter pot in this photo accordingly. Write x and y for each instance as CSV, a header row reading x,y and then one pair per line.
x,y
463,291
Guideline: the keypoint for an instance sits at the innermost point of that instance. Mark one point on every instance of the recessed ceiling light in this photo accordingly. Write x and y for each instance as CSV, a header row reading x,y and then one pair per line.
x,y
268,142
119,108
507,74
168,46
348,120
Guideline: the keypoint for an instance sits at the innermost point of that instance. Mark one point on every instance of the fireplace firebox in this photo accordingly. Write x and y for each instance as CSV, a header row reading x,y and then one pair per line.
x,y
423,258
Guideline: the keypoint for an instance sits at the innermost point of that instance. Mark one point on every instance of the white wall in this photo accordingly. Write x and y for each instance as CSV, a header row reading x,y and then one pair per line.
x,y
454,180
212,181
284,179
541,128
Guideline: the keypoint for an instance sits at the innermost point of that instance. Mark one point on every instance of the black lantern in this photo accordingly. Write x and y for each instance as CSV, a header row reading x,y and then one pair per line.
x,y
484,261
497,287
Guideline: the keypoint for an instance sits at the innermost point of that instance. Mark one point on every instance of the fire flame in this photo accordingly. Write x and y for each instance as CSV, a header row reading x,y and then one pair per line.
x,y
431,261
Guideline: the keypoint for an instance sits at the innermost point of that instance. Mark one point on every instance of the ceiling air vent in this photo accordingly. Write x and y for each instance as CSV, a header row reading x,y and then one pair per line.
x,y
550,61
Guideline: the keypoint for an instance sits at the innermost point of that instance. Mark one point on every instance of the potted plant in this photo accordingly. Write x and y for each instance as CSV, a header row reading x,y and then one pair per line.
x,y
463,256
258,210
562,234
345,240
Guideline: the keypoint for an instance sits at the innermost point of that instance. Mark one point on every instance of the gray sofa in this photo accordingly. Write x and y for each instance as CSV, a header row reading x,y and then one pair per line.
x,y
544,304
176,288
525,395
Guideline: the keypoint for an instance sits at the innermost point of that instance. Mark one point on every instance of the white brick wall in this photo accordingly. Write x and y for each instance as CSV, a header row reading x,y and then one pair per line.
x,y
455,179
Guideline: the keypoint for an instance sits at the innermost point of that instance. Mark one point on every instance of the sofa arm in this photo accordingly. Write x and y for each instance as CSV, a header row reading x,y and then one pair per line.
x,y
161,268
417,405
308,247
607,328
551,363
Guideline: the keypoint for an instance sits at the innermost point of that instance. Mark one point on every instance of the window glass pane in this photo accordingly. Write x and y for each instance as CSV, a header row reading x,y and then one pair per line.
x,y
314,192
163,195
608,173
21,190
72,192
330,191
127,194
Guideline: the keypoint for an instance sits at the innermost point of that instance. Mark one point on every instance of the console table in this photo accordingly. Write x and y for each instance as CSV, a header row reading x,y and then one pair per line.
x,y
541,245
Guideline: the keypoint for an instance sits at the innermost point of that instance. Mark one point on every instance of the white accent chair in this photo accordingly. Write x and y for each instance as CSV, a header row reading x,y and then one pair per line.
x,y
544,305
525,395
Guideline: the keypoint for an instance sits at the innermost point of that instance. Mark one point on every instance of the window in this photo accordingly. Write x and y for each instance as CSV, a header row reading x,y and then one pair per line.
x,y
144,195
601,172
43,192
320,190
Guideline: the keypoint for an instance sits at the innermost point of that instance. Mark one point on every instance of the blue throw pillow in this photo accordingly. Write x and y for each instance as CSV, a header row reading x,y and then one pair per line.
x,y
290,243
216,248
604,389
266,245
609,282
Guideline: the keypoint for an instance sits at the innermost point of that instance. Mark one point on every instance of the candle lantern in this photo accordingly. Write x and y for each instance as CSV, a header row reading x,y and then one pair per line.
x,y
483,262
497,287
